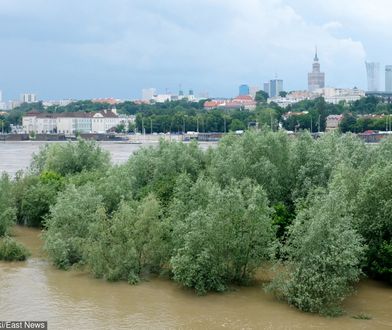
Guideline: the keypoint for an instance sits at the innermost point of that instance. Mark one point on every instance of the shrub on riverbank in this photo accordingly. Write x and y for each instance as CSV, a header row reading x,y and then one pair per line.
x,y
11,250
224,241
124,246
210,219
68,225
323,256
51,169
70,158
7,209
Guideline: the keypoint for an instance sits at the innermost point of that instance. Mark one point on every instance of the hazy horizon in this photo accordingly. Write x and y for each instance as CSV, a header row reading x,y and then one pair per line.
x,y
90,49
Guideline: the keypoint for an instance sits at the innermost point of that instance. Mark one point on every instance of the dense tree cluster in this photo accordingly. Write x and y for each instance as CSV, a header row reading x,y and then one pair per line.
x,y
319,210
10,250
7,209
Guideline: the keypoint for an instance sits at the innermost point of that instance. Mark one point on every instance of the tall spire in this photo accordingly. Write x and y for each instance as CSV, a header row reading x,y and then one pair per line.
x,y
315,56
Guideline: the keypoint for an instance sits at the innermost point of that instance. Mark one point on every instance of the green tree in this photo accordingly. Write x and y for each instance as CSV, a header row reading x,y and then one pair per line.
x,y
156,169
7,209
38,198
323,256
225,242
123,247
67,225
237,124
70,158
11,250
373,212
261,96
282,94
4,125
263,157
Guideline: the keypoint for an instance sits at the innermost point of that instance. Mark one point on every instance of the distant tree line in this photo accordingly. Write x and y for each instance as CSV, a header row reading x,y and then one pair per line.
x,y
180,116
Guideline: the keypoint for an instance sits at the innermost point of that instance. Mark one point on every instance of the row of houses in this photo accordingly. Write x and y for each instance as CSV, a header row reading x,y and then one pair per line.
x,y
74,122
330,95
240,102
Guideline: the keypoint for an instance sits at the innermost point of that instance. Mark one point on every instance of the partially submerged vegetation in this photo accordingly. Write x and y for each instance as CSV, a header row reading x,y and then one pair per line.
x,y
11,250
317,209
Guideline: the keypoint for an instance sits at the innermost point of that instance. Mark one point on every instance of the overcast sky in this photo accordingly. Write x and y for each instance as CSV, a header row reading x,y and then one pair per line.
x,y
114,48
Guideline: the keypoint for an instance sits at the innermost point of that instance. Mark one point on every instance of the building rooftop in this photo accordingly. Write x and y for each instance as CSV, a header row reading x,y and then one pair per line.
x,y
102,114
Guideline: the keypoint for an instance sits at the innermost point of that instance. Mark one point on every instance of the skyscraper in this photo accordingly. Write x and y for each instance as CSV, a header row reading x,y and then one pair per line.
x,y
275,87
388,78
316,78
373,76
243,90
267,87
28,98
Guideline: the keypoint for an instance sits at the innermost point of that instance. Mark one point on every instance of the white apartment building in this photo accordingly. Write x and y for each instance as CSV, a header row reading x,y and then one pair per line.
x,y
162,98
46,124
103,121
28,98
29,122
336,95
73,122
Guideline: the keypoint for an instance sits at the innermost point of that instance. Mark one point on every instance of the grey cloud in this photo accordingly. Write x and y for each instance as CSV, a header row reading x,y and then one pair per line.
x,y
209,44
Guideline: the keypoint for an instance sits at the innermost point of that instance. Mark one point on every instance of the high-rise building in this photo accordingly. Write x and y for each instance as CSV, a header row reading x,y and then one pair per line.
x,y
266,87
373,76
388,78
148,93
316,78
275,87
28,98
1,96
243,90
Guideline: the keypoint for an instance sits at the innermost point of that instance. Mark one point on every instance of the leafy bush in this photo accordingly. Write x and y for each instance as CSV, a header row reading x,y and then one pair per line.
x,y
373,209
70,158
263,157
67,225
224,242
323,256
7,209
11,250
380,263
38,197
156,169
122,247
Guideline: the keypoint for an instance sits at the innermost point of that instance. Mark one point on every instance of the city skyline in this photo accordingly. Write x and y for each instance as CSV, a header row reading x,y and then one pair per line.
x,y
95,49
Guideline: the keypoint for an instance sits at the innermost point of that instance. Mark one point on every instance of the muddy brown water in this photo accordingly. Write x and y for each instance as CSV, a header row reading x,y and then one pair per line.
x,y
35,290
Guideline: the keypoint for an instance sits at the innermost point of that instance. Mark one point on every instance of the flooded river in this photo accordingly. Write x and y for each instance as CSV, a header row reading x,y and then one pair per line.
x,y
16,156
34,290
